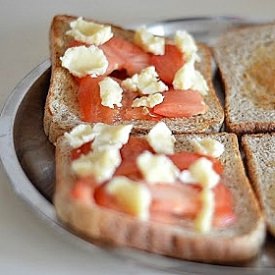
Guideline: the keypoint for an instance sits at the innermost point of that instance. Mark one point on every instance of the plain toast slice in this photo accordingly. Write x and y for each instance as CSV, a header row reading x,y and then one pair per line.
x,y
237,242
246,60
260,158
62,108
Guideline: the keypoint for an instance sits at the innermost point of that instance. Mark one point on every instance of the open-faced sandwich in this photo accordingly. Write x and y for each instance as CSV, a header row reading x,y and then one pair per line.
x,y
103,73
185,196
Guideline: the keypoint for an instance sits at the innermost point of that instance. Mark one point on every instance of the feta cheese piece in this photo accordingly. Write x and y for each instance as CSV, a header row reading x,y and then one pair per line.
x,y
149,42
79,135
110,135
202,171
208,146
89,32
101,164
187,77
82,61
147,82
133,197
161,139
186,177
149,101
186,44
157,168
203,221
110,93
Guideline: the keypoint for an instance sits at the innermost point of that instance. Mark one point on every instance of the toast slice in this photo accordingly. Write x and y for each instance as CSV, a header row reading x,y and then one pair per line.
x,y
62,108
237,242
246,61
260,157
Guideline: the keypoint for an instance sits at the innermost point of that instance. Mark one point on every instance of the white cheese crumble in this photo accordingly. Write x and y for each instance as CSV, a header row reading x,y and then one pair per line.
x,y
149,101
82,61
133,197
149,42
146,82
157,168
89,32
208,146
110,93
161,139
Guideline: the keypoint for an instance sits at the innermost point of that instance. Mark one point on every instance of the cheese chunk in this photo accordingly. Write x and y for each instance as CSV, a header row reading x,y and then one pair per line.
x,y
133,197
82,61
110,135
89,32
79,135
157,168
186,177
187,77
161,139
101,164
202,171
149,101
203,222
186,44
147,82
110,93
148,42
208,146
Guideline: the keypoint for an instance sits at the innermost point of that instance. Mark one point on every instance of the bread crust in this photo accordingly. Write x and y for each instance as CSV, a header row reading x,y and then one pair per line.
x,y
62,109
245,59
260,159
238,242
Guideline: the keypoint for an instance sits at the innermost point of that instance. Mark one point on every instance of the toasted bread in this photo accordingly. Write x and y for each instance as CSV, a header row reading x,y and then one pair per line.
x,y
260,157
62,108
237,242
246,61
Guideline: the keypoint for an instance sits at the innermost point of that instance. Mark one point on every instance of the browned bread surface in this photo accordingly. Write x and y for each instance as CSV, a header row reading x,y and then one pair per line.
x,y
260,157
246,59
62,108
238,242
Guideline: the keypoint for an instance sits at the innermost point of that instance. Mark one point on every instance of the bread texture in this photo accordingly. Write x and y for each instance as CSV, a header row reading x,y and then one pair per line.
x,y
62,108
237,242
260,157
246,59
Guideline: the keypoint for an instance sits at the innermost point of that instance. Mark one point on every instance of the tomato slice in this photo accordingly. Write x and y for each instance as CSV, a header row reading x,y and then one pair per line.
x,y
83,189
82,150
168,64
179,103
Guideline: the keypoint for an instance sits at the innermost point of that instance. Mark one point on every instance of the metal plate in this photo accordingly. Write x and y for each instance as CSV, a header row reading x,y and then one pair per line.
x,y
28,159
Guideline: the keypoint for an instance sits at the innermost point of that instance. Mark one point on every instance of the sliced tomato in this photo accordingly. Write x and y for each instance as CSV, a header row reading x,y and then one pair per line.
x,y
168,64
178,103
82,150
75,43
83,189
122,53
224,213
175,199
184,159
91,108
129,154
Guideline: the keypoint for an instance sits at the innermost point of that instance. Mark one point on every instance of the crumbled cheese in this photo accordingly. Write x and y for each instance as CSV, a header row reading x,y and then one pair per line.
x,y
110,93
82,61
161,139
106,135
186,177
187,77
208,146
186,44
89,32
133,197
157,168
202,171
79,135
149,101
203,221
148,42
101,164
147,82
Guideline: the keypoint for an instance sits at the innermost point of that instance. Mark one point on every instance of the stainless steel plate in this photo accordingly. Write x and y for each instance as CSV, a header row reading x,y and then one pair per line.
x,y
28,159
